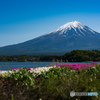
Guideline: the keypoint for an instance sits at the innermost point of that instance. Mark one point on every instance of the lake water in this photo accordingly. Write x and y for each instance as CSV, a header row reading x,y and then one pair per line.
x,y
9,65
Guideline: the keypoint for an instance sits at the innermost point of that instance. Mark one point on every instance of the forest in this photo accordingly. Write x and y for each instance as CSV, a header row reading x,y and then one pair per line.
x,y
73,56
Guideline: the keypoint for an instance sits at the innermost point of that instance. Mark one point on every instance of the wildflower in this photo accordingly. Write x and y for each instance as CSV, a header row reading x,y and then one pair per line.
x,y
91,79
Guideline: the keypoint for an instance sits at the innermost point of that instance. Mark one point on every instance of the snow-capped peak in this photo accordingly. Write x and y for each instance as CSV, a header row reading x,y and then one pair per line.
x,y
68,26
73,28
72,24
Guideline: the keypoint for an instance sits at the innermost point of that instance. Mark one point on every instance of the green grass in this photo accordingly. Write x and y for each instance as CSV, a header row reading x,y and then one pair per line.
x,y
55,84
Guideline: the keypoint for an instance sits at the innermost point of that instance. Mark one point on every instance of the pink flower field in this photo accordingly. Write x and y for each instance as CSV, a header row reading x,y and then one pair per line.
x,y
72,66
79,66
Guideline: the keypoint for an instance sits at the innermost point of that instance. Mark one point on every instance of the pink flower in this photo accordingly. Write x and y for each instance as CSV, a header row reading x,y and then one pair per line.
x,y
79,66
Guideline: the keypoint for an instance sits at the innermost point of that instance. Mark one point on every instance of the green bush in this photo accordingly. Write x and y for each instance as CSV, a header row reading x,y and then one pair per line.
x,y
22,75
55,84
59,88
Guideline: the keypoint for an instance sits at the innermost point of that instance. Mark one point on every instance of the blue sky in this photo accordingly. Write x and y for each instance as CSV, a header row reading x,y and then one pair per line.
x,y
22,20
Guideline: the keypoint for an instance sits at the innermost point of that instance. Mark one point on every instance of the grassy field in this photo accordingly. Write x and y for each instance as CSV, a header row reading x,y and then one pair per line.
x,y
51,83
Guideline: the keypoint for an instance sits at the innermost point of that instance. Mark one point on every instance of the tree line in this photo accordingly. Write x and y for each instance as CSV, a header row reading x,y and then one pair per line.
x,y
21,58
73,56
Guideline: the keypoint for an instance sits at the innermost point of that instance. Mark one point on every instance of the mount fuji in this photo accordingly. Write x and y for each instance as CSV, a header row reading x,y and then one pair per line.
x,y
71,36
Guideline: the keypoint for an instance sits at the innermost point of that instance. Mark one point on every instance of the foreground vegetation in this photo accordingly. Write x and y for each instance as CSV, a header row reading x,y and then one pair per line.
x,y
51,83
73,56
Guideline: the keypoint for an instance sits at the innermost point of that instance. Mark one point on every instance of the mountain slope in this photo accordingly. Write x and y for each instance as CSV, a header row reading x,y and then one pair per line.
x,y
71,36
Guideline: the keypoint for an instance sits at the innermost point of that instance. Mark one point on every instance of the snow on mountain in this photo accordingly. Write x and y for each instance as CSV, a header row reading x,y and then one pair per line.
x,y
69,25
70,36
76,26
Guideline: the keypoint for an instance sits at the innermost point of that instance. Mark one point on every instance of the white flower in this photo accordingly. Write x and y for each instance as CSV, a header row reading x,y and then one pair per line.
x,y
35,72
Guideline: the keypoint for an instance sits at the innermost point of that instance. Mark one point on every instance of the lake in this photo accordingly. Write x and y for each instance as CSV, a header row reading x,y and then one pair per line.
x,y
9,65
